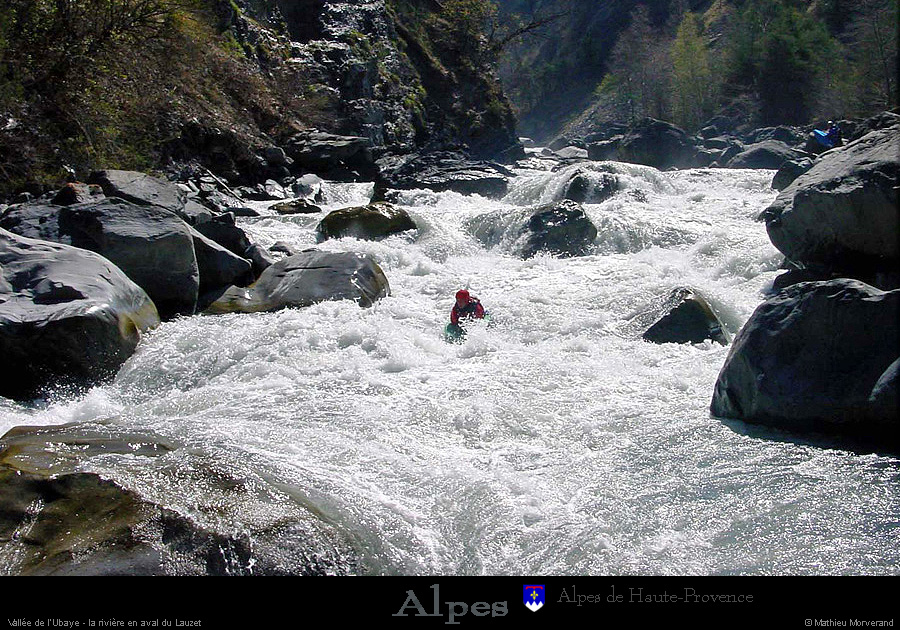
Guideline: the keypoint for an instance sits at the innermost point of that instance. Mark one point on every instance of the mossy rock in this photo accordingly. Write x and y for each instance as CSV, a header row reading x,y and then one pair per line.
x,y
372,222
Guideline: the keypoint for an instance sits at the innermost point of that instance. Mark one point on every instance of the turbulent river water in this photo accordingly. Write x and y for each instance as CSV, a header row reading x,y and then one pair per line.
x,y
554,442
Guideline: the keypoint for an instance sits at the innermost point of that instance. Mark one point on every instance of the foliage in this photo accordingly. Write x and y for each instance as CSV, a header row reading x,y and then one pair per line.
x,y
782,54
872,49
695,84
639,66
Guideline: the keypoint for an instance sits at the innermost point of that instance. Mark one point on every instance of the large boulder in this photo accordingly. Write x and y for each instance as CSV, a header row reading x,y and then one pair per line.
x,y
843,212
767,154
140,189
657,143
811,359
219,267
305,279
372,222
152,246
441,171
58,517
67,316
561,228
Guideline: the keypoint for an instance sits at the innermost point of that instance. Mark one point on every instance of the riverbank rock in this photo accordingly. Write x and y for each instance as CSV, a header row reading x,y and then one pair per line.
x,y
140,189
767,154
561,229
152,246
811,358
305,279
789,171
68,316
59,518
843,212
440,171
372,222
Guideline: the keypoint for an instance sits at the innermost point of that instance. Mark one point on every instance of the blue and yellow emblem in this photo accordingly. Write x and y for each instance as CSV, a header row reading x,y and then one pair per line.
x,y
533,597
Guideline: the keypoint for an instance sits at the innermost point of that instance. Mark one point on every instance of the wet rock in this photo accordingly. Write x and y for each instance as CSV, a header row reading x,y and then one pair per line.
x,y
803,362
843,212
218,267
372,222
282,248
658,144
441,171
305,279
59,518
68,317
561,229
591,187
296,206
684,316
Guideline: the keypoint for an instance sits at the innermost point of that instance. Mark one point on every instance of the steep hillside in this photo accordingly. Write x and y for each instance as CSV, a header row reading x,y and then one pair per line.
x,y
160,84
765,62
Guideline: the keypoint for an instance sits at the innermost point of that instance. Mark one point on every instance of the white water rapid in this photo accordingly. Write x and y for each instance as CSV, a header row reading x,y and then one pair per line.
x,y
555,442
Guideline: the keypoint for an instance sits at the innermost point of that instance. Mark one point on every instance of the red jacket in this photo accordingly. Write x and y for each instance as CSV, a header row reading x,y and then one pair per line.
x,y
472,310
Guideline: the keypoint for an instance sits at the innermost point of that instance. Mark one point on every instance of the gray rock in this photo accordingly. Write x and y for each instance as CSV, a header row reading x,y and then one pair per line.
x,y
140,189
305,279
605,150
151,245
440,171
809,359
67,316
572,152
789,171
843,213
768,154
658,144
561,229
684,316
219,267
332,156
372,222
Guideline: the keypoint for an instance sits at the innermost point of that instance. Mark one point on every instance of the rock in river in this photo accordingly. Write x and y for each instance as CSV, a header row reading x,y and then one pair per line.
x,y
816,357
307,278
67,316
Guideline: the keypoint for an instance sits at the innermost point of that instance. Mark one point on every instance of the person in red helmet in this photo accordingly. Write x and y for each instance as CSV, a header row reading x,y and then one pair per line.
x,y
466,307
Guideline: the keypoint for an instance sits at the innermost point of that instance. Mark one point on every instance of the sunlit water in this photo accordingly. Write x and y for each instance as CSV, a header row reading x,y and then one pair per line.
x,y
555,442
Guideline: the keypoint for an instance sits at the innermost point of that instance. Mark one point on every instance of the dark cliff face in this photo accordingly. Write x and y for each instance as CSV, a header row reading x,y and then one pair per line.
x,y
401,75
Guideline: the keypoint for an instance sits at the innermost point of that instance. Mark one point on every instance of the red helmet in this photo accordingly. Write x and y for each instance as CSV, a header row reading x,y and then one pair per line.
x,y
462,295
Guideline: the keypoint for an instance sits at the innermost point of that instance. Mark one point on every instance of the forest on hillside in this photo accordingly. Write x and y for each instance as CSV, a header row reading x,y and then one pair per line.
x,y
684,61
